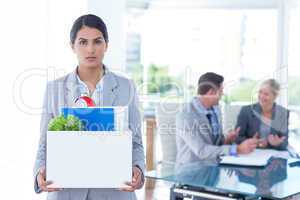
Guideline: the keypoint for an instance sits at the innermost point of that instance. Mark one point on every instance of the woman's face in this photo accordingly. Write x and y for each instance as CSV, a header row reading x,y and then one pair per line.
x,y
266,97
90,47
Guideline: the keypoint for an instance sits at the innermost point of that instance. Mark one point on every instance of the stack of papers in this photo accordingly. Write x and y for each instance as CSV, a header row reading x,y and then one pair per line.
x,y
259,157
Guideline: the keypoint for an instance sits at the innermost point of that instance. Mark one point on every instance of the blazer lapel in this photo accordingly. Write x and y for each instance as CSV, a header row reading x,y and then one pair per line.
x,y
275,119
279,119
256,119
72,89
109,89
203,119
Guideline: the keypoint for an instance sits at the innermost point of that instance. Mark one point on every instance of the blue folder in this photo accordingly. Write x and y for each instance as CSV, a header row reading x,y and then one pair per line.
x,y
93,119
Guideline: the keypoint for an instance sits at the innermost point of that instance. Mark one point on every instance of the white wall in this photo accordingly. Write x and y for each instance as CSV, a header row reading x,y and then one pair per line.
x,y
22,50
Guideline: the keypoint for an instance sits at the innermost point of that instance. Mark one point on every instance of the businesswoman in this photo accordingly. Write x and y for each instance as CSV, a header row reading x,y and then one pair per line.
x,y
266,120
89,41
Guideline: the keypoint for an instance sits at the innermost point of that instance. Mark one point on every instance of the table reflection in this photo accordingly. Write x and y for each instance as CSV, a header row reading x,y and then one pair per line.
x,y
277,180
264,179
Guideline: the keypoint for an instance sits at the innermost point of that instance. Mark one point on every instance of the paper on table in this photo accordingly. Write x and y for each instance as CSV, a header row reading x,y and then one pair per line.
x,y
258,157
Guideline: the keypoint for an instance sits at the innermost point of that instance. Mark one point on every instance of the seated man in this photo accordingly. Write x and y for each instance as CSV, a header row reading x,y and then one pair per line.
x,y
199,127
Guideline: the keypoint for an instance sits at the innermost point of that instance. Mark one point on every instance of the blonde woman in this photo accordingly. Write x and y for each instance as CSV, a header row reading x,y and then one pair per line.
x,y
265,119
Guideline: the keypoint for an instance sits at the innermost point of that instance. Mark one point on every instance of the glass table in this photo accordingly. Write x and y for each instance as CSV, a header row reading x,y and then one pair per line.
x,y
280,179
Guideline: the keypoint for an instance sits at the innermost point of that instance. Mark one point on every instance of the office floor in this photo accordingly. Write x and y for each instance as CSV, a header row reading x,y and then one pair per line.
x,y
154,190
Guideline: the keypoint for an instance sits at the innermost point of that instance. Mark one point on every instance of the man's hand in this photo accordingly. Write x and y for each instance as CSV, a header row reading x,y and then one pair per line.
x,y
248,145
43,184
275,140
232,135
137,181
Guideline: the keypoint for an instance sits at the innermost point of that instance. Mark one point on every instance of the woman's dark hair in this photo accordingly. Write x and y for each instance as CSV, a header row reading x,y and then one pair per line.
x,y
209,81
91,21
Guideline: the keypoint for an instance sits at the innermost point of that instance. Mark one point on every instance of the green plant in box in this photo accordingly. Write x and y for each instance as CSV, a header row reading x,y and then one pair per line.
x,y
60,123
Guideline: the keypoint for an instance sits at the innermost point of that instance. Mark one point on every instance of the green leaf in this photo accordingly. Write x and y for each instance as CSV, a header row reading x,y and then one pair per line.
x,y
60,123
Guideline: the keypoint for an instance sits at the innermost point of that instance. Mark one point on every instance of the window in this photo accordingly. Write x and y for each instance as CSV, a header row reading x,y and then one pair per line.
x,y
294,76
178,44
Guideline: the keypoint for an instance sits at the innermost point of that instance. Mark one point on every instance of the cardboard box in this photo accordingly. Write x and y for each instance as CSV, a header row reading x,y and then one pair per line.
x,y
89,159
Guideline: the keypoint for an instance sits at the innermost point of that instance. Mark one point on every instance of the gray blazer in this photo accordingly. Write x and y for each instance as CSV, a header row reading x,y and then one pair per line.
x,y
249,120
194,139
117,91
